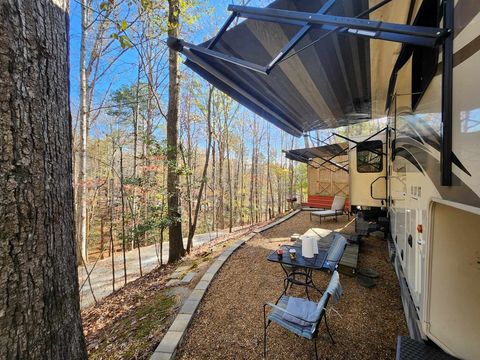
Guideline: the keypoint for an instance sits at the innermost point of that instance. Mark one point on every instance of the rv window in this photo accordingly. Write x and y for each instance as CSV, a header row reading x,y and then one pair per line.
x,y
369,157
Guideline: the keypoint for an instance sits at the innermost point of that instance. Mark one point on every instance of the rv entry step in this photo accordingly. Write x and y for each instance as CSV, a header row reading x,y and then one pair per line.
x,y
409,349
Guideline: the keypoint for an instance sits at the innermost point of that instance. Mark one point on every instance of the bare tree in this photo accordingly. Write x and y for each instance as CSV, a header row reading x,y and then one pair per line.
x,y
124,235
112,216
90,75
176,249
203,180
83,123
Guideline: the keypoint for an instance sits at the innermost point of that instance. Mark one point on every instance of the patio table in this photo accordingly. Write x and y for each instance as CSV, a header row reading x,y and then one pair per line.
x,y
300,267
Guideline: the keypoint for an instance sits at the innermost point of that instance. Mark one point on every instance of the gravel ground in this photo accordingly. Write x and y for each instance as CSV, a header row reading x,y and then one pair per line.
x,y
229,322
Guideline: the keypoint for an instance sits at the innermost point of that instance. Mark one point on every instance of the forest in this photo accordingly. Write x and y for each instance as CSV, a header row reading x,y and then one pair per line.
x,y
230,164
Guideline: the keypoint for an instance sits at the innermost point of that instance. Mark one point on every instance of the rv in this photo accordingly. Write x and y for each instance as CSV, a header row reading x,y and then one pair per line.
x,y
306,65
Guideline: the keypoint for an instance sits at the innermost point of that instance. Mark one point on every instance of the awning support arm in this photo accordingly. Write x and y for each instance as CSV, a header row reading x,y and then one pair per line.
x,y
281,55
368,138
362,14
416,35
447,94
330,162
347,149
309,160
224,28
297,37
360,142
334,156
227,58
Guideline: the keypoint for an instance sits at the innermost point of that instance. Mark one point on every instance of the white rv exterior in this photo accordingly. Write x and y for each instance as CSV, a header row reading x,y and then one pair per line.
x,y
435,229
368,168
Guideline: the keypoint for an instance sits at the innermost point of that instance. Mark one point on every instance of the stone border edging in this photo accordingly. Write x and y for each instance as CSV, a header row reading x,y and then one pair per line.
x,y
167,348
276,222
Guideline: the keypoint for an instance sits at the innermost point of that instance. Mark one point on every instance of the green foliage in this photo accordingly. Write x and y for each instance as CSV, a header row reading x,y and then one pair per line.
x,y
124,102
121,35
106,5
136,181
302,178
146,4
135,329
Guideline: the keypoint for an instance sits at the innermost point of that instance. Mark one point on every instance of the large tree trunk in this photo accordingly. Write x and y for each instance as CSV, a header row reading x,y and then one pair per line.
x,y
39,301
175,248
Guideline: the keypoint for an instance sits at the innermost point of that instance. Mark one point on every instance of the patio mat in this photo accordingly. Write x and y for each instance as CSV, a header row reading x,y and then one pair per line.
x,y
366,281
368,273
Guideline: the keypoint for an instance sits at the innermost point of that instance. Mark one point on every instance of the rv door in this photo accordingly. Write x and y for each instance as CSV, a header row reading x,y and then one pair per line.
x,y
368,170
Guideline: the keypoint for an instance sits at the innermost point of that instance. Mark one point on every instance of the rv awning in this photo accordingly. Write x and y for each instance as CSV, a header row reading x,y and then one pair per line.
x,y
322,152
325,86
310,64
321,155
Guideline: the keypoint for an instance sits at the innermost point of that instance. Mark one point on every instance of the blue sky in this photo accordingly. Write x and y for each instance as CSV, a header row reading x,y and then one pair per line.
x,y
125,70
206,28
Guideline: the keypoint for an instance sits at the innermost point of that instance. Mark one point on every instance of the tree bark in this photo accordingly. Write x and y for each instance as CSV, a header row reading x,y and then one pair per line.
x,y
39,301
175,241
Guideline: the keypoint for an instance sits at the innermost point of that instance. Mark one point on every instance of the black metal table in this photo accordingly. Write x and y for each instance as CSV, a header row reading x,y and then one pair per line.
x,y
300,267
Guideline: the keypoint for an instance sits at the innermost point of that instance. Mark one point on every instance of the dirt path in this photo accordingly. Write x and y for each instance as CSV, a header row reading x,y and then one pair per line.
x,y
101,276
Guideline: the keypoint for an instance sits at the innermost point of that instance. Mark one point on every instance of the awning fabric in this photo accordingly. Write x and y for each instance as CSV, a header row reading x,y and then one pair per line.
x,y
326,152
325,86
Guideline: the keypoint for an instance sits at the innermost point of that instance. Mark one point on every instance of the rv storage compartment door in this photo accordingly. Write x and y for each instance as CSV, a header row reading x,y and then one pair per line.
x,y
368,167
453,282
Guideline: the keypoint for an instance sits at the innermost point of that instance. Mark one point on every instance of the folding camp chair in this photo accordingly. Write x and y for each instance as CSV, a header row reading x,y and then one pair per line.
x,y
335,252
307,328
336,209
